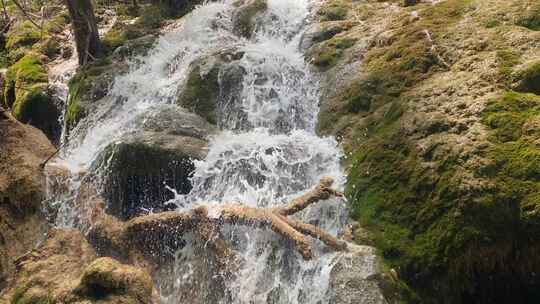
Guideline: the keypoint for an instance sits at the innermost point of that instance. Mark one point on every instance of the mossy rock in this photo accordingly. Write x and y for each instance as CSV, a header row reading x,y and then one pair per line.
x,y
26,93
37,107
334,10
24,34
106,278
201,92
121,33
136,47
531,18
245,15
443,231
90,84
327,54
529,78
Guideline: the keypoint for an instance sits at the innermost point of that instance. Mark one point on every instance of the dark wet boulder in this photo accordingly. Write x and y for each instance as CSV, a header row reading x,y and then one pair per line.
x,y
140,167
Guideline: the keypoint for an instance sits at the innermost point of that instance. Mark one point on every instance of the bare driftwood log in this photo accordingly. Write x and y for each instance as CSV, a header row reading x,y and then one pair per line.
x,y
144,229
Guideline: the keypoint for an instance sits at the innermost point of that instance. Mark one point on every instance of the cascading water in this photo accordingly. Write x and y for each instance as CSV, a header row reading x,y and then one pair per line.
x,y
266,153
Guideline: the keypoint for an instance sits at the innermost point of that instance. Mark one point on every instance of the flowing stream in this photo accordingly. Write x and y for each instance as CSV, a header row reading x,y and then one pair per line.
x,y
265,153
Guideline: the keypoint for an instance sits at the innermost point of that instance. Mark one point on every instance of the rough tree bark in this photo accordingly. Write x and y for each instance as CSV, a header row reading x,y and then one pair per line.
x,y
85,30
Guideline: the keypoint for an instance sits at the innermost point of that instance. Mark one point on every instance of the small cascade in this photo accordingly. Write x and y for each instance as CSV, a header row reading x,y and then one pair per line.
x,y
265,152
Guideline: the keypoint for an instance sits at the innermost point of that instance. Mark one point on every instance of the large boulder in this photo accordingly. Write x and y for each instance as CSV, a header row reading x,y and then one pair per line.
x,y
22,150
211,79
161,154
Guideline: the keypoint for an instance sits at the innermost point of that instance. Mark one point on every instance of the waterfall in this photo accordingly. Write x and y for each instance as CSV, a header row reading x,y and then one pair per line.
x,y
265,153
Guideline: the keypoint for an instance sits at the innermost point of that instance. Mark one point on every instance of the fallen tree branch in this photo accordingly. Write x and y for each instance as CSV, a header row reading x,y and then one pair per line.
x,y
144,230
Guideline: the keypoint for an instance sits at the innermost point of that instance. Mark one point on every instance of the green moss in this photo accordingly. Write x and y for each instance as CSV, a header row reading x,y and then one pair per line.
x,y
529,78
448,240
507,114
49,47
531,19
151,16
507,59
21,76
57,24
334,10
440,234
24,34
327,53
120,34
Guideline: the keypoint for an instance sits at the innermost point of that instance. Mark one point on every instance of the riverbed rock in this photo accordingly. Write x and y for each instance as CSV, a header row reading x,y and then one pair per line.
x,y
213,78
357,278
139,167
245,15
22,225
441,156
65,269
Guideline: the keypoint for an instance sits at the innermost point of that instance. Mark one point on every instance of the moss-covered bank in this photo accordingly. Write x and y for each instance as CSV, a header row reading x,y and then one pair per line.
x,y
442,154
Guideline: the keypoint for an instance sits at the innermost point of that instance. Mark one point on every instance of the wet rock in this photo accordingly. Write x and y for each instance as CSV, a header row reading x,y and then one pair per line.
x,y
139,168
217,77
244,16
22,150
88,86
356,278
133,48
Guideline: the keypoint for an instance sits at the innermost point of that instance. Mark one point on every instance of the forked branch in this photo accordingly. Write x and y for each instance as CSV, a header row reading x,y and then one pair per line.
x,y
145,229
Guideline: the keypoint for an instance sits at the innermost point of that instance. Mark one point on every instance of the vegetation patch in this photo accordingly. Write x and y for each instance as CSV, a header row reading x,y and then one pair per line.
x,y
327,53
531,19
334,10
529,78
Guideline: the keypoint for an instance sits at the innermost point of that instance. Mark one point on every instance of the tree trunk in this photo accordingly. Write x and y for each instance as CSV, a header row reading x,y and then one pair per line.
x,y
85,30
